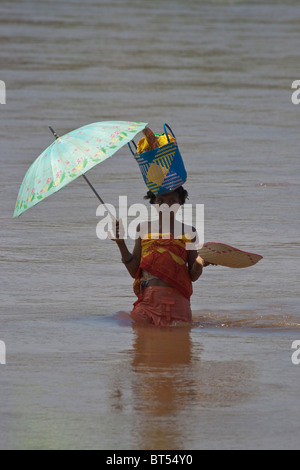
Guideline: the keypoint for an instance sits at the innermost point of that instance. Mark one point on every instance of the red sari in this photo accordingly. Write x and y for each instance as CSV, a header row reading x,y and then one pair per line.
x,y
167,260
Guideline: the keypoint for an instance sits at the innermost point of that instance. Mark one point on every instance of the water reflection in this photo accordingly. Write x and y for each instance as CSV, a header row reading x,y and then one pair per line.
x,y
163,384
169,386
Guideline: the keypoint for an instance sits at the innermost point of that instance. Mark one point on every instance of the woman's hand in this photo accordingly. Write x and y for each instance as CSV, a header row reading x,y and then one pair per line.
x,y
199,262
204,263
119,231
197,268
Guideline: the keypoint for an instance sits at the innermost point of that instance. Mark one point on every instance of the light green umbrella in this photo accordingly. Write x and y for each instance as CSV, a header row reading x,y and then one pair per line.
x,y
71,156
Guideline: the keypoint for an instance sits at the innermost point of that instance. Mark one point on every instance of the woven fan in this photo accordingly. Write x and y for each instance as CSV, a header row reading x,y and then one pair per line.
x,y
225,255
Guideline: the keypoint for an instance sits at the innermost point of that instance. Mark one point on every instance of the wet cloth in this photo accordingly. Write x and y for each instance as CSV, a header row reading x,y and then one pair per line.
x,y
162,306
166,259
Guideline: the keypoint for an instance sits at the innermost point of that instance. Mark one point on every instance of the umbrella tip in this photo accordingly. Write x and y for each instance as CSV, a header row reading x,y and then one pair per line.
x,y
53,132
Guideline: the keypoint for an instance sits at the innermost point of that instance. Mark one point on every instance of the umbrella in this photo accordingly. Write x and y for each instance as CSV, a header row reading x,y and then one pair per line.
x,y
71,156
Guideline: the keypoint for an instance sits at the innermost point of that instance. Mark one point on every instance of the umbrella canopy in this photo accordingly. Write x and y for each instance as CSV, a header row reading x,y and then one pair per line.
x,y
71,156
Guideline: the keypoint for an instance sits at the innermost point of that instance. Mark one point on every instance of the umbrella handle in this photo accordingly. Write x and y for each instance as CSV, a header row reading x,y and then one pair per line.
x,y
98,196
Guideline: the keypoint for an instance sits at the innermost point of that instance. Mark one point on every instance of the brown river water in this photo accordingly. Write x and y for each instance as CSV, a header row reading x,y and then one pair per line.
x,y
78,374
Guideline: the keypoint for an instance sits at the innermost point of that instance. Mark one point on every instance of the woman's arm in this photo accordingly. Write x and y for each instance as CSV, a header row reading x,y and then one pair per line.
x,y
195,264
131,261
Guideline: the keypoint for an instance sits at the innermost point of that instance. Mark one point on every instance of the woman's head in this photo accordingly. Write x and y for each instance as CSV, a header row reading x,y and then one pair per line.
x,y
178,196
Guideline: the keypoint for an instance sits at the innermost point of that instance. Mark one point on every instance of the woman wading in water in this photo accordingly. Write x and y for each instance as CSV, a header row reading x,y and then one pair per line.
x,y
162,266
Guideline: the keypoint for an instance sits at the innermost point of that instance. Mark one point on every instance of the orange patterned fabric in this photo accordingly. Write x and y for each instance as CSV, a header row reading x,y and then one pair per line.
x,y
167,260
162,306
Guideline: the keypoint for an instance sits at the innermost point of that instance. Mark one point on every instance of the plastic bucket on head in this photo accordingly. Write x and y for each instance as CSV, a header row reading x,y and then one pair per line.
x,y
162,168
